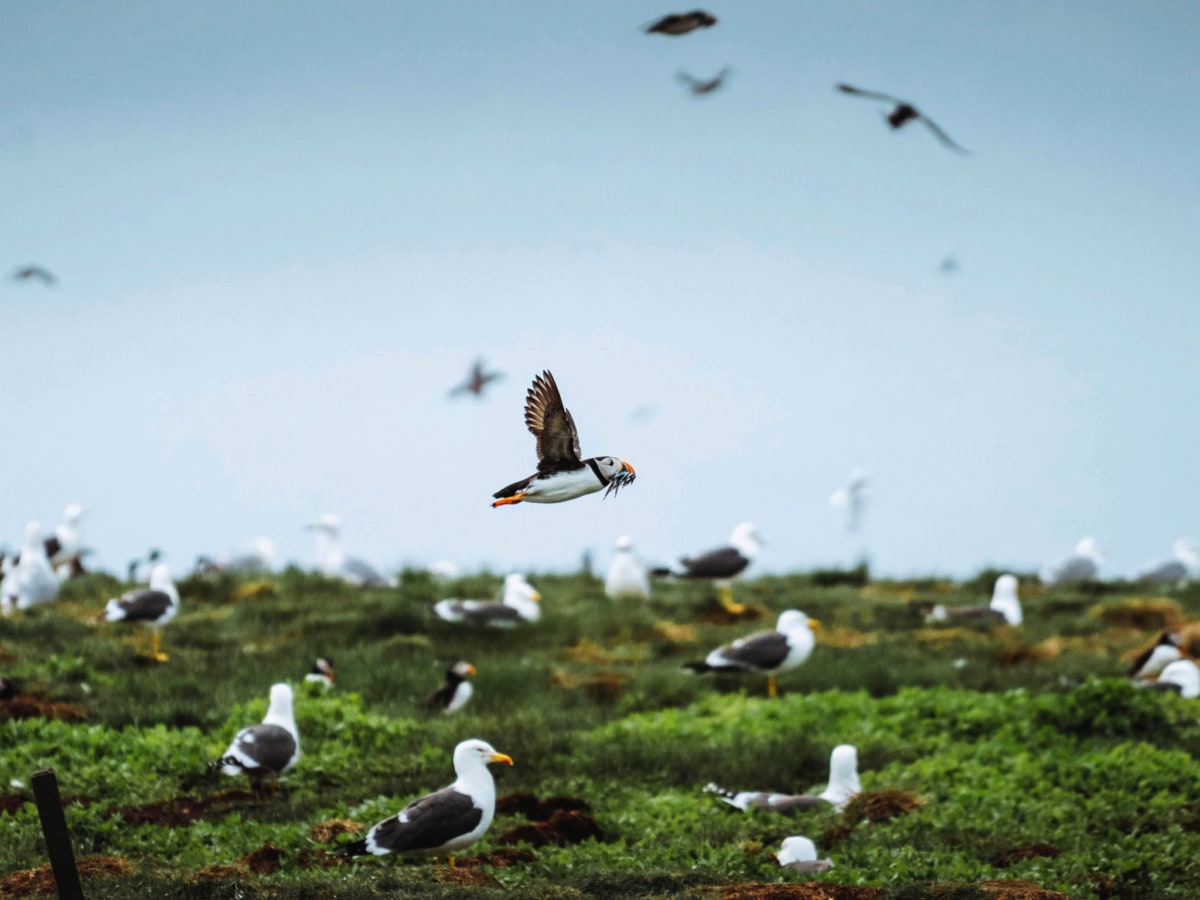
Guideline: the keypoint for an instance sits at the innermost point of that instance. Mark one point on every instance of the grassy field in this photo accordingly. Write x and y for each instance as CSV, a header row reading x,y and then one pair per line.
x,y
1029,760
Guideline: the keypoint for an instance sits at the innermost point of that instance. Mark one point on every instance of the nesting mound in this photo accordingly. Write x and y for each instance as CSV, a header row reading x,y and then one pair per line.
x,y
325,832
1041,652
604,686
873,806
499,859
555,820
28,882
263,861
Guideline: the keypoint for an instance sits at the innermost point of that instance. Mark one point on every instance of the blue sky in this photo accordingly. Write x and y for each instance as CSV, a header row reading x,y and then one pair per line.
x,y
284,230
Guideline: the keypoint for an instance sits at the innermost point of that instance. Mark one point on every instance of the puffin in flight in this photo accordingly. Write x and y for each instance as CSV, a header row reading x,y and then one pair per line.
x,y
562,474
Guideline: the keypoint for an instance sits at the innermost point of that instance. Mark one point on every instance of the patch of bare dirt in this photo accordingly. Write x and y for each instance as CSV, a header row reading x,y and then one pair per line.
x,y
466,877
1016,854
499,859
526,803
28,882
181,811
1106,887
263,861
218,873
325,832
35,705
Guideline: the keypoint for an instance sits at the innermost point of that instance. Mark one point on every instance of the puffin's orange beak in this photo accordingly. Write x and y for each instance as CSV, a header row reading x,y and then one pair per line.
x,y
627,467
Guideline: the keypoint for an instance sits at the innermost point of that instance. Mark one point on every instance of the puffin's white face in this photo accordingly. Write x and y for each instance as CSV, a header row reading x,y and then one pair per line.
x,y
463,669
610,466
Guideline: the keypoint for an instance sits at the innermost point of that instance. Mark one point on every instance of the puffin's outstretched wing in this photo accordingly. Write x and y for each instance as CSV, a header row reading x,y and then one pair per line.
x,y
551,423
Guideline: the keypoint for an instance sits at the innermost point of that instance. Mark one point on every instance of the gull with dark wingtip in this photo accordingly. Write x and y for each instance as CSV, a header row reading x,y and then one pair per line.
x,y
902,113
476,381
154,608
29,273
677,24
787,646
562,473
701,86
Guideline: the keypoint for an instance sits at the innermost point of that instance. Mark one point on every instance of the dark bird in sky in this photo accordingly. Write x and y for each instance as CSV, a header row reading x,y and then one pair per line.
x,y
29,273
699,86
676,24
562,474
476,381
902,113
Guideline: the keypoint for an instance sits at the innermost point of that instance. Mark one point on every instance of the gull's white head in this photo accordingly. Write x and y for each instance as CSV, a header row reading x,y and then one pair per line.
x,y
160,578
476,754
747,540
1090,547
33,539
265,548
72,514
624,543
280,707
791,619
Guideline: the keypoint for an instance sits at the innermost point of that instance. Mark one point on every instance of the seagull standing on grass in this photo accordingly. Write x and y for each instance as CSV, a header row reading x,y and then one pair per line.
x,y
30,580
1005,606
843,784
154,608
626,575
723,565
1185,559
770,652
267,750
1082,565
65,546
562,474
332,559
519,604
448,820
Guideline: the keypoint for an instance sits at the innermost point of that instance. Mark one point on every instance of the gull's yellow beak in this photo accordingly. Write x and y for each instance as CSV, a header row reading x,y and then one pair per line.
x,y
814,624
501,758
628,468
536,596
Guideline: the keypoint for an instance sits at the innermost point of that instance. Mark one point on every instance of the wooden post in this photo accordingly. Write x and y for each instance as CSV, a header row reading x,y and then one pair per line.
x,y
54,828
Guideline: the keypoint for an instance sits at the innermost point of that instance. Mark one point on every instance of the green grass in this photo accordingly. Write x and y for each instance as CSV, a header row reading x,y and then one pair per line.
x,y
1013,737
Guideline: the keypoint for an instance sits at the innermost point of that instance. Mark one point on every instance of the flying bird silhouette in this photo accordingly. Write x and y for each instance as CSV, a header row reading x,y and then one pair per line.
x,y
903,113
677,24
562,474
29,273
476,381
700,87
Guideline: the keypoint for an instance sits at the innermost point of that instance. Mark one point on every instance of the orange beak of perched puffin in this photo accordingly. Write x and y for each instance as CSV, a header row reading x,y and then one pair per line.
x,y
628,468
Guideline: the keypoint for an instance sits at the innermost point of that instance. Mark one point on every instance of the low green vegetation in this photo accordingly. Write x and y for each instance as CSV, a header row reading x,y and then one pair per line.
x,y
1027,755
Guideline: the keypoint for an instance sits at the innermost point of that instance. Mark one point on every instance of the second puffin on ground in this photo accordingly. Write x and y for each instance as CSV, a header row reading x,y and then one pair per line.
x,y
562,473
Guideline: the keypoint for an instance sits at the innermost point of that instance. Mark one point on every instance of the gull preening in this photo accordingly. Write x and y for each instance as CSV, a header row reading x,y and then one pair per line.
x,y
562,474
